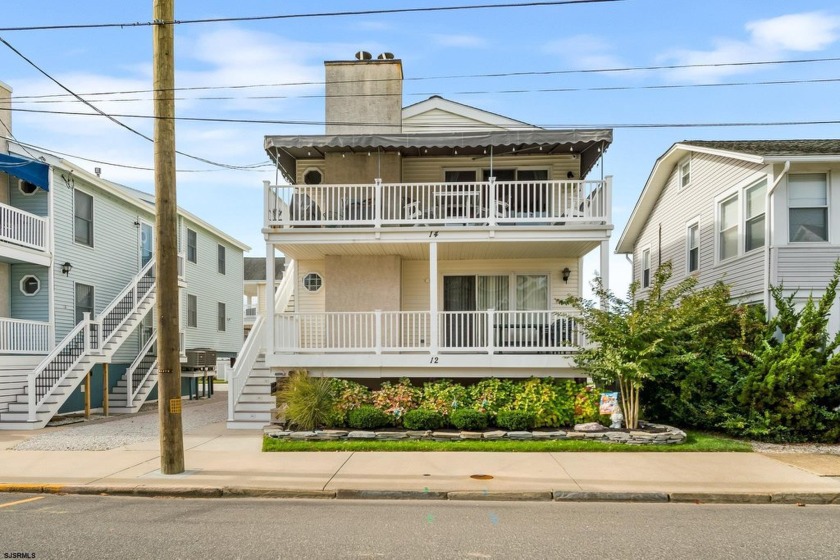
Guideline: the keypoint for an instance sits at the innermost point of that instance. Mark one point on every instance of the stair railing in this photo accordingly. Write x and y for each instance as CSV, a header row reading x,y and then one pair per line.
x,y
140,369
120,309
255,343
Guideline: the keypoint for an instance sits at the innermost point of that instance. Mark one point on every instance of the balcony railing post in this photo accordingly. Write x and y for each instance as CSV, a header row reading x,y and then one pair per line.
x,y
491,202
608,199
266,203
377,314
377,203
32,398
491,315
86,330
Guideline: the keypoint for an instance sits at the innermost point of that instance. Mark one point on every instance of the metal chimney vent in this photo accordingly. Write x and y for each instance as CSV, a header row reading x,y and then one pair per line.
x,y
363,55
386,56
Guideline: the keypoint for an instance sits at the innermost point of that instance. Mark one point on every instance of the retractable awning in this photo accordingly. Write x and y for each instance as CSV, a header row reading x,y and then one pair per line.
x,y
589,143
30,170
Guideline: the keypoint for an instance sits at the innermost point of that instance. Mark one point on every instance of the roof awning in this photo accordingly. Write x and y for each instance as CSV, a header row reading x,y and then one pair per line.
x,y
30,170
589,144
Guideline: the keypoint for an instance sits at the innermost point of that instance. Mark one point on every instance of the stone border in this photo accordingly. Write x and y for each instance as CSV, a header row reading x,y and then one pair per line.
x,y
669,436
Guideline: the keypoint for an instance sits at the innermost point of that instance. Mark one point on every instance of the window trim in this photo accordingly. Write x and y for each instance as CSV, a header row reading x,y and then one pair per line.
x,y
92,218
221,258
746,219
512,292
23,282
192,318
194,247
76,299
644,282
827,207
309,170
21,183
320,285
681,173
693,223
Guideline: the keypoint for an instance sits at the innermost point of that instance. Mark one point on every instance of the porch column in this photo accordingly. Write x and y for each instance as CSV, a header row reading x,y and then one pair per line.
x,y
605,266
269,299
433,301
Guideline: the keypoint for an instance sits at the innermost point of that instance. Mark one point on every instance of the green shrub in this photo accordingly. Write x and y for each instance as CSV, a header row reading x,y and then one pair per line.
x,y
423,419
444,396
309,400
348,395
396,400
515,420
367,417
550,401
468,419
492,395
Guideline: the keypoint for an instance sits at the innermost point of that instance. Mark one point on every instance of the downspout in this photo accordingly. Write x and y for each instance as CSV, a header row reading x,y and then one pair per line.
x,y
768,235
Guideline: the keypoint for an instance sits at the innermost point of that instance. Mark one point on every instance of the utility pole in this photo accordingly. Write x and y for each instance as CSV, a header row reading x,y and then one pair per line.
x,y
166,243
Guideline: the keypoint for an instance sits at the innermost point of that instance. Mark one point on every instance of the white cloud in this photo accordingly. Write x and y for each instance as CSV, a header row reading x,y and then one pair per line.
x,y
585,51
463,41
767,39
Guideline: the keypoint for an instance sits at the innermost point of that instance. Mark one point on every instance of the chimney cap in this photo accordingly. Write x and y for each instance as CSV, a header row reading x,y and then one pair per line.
x,y
386,56
363,55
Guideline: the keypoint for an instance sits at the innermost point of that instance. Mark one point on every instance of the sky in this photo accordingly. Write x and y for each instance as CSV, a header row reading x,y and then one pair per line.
x,y
530,50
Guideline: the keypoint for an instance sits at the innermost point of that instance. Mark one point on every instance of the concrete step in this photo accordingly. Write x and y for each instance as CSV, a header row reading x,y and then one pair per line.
x,y
253,407
257,398
264,417
256,390
23,417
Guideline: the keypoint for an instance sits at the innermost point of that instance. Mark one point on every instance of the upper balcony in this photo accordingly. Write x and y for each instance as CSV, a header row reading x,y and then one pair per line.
x,y
23,236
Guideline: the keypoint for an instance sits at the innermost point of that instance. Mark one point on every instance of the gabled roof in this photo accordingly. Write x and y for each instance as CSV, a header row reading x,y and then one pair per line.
x,y
255,268
477,118
754,151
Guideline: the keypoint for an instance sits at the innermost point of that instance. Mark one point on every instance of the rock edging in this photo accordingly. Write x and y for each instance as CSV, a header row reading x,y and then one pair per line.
x,y
661,435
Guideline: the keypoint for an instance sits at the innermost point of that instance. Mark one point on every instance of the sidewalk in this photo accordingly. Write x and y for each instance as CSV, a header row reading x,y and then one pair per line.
x,y
225,462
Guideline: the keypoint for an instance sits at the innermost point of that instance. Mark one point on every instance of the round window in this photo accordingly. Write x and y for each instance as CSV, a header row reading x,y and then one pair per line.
x,y
30,285
313,282
313,177
26,187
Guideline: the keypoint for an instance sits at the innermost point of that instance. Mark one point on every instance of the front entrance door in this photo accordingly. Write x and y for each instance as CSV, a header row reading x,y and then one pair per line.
x,y
147,243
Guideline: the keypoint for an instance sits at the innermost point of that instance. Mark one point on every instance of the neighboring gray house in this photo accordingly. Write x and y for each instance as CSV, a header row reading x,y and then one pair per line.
x,y
750,213
77,288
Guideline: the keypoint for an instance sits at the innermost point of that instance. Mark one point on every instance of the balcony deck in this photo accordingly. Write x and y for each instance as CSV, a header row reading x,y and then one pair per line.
x,y
23,236
24,337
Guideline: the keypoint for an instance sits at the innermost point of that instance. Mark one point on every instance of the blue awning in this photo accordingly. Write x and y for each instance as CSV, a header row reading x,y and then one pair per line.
x,y
33,171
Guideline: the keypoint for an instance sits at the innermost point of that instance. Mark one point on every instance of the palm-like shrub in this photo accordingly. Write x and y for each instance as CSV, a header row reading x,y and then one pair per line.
x,y
309,400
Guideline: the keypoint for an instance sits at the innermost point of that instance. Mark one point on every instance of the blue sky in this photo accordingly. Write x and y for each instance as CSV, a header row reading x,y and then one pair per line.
x,y
433,47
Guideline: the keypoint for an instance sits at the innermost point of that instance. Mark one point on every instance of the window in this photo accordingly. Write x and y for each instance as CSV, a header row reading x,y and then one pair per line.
x,y
192,311
83,217
808,207
192,246
479,293
222,317
685,174
26,188
30,285
646,268
728,228
754,217
221,252
313,177
531,292
313,282
692,241
84,301
467,176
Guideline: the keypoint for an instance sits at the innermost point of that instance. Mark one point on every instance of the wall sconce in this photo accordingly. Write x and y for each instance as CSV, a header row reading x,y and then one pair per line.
x,y
566,273
66,268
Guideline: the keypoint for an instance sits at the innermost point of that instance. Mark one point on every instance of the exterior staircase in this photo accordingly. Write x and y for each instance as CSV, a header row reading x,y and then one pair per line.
x,y
250,381
132,390
93,341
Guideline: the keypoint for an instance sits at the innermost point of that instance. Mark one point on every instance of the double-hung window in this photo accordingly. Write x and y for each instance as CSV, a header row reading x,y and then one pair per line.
x,y
685,173
221,259
808,207
222,317
192,246
83,218
728,228
755,212
646,268
692,241
192,310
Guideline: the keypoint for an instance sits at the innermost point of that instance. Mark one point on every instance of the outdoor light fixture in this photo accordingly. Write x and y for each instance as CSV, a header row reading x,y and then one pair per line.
x,y
566,273
66,268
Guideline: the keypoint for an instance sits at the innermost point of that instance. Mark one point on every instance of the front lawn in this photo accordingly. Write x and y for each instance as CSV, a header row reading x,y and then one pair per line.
x,y
695,441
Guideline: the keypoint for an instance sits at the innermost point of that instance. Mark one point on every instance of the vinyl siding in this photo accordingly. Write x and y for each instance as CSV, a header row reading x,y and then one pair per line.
x,y
431,169
711,176
211,288
37,203
30,308
805,268
438,119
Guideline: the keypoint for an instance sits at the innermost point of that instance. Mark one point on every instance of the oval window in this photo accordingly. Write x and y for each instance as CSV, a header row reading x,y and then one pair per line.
x,y
313,177
30,285
26,187
313,282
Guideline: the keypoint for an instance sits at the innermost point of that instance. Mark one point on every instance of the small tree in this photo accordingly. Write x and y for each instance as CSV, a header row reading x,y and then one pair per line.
x,y
630,341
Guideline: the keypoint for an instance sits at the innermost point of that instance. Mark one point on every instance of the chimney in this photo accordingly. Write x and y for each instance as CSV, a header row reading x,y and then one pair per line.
x,y
5,116
364,96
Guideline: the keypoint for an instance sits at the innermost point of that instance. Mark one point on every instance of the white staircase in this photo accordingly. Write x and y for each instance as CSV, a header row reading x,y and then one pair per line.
x,y
132,390
249,387
93,341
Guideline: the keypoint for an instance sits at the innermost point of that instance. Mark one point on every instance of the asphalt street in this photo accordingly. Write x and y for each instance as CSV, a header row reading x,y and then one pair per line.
x,y
67,527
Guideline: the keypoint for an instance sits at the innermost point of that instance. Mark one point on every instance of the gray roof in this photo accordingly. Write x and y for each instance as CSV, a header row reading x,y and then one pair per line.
x,y
772,147
255,268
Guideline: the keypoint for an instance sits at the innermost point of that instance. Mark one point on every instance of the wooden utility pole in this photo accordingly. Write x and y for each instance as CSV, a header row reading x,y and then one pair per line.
x,y
166,243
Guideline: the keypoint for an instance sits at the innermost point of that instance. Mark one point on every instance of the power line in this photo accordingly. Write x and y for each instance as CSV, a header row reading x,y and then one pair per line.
x,y
456,127
464,76
469,92
103,113
305,15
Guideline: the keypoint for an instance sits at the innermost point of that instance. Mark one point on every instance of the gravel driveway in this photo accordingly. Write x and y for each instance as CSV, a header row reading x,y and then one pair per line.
x,y
109,433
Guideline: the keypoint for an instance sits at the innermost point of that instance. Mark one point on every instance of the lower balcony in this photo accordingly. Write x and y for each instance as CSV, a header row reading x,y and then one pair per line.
x,y
24,337
426,344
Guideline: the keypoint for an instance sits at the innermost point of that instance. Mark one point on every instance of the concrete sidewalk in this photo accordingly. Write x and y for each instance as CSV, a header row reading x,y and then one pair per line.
x,y
223,462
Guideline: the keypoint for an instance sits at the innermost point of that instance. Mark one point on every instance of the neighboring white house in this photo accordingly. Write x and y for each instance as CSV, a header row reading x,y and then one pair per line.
x,y
750,213
77,287
254,288
427,241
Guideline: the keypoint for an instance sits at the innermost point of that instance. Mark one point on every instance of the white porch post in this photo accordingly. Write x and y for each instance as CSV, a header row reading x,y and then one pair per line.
x,y
605,266
269,299
377,203
51,242
433,300
491,203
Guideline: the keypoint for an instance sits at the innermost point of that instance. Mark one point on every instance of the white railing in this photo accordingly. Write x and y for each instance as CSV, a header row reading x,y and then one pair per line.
x,y
140,369
121,307
182,262
255,343
24,337
556,203
22,228
410,331
250,312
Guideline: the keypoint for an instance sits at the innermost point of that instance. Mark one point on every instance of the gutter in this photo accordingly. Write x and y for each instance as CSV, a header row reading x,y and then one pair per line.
x,y
768,234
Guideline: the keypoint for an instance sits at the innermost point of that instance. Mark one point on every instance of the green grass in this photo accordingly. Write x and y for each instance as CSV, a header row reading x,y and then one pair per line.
x,y
695,441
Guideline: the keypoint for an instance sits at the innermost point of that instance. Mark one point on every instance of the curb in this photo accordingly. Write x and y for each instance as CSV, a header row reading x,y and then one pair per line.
x,y
700,498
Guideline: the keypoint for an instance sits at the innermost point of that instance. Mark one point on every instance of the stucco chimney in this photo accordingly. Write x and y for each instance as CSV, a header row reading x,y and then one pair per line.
x,y
5,116
364,96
